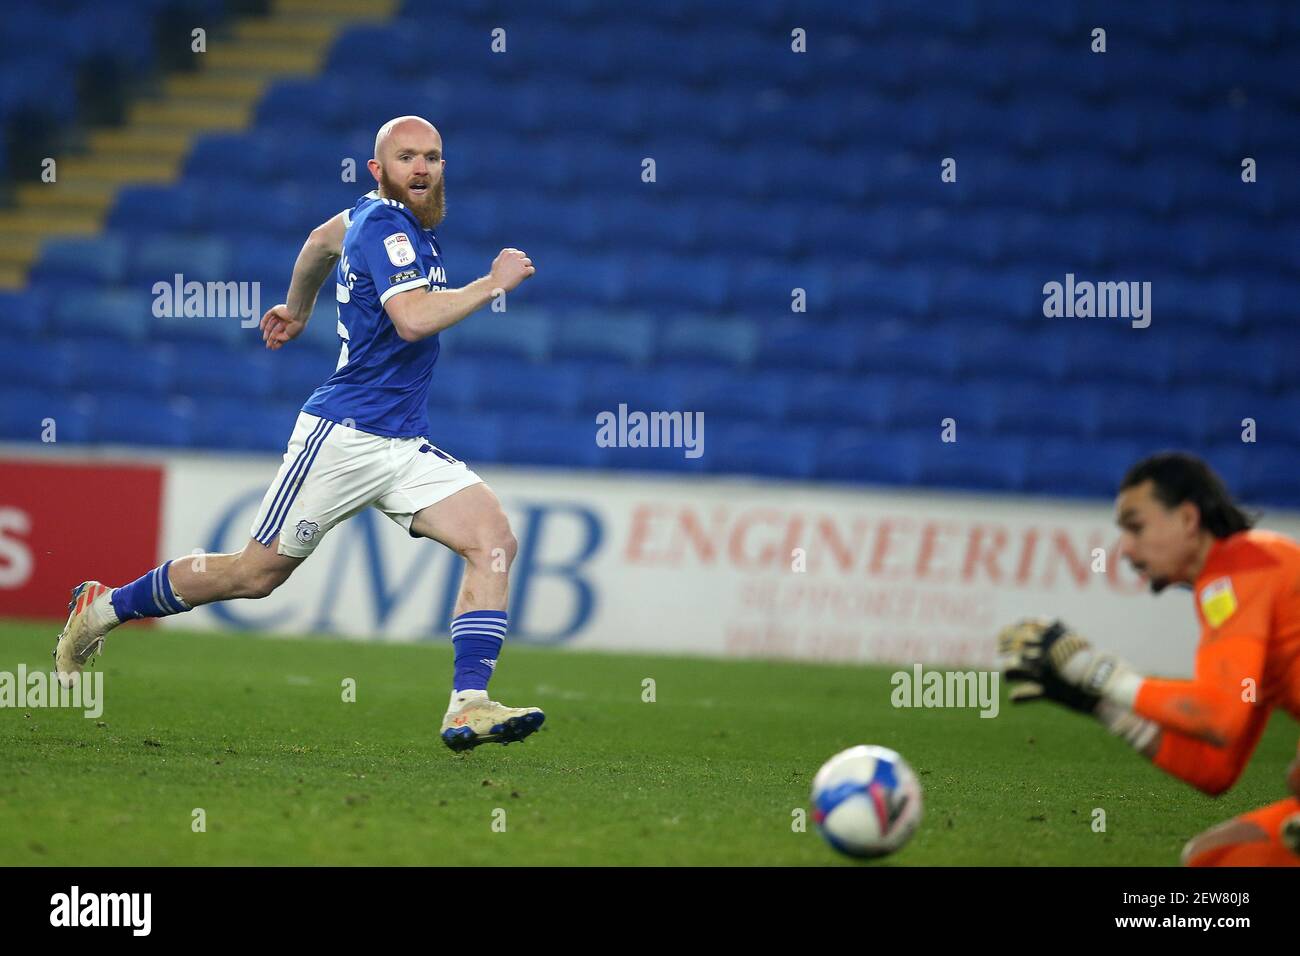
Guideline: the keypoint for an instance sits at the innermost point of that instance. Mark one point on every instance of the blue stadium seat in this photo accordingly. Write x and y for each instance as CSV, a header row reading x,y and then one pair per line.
x,y
925,405
768,229
759,450
1288,362
1271,301
1046,185
764,285
659,459
545,440
834,400
212,369
1080,241
296,373
700,340
1022,408
607,335
867,457
530,389
317,102
606,389
469,436
23,312
237,211
974,462
1144,186
38,415
244,422
159,259
1227,408
599,279
1080,468
168,209
1269,476
100,259
1226,361
1100,350
893,347
456,383
1164,416
125,315
683,283
263,259
186,329
115,366
402,51
759,396
131,420
1003,295
519,332
1004,352
231,156
39,364
903,291
788,343
655,223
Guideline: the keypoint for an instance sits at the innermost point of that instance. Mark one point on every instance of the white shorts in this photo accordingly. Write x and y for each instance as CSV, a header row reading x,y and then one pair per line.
x,y
331,471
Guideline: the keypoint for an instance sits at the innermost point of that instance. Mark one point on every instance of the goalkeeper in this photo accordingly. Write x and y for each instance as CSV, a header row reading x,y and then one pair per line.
x,y
1180,526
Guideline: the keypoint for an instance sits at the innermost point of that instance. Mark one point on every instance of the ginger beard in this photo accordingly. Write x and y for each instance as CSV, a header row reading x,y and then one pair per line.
x,y
429,206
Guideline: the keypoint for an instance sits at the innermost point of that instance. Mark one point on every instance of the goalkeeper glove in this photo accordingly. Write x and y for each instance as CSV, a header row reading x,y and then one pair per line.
x,y
1033,652
1064,666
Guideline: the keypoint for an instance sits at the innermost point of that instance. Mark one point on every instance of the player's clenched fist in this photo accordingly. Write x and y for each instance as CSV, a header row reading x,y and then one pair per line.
x,y
510,268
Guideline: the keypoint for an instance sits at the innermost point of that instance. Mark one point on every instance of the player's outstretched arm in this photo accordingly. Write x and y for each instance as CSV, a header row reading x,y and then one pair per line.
x,y
1213,708
1210,769
418,314
1034,653
1200,731
319,253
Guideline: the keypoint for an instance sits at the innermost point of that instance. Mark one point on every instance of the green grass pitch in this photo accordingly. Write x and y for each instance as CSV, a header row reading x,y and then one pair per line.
x,y
255,732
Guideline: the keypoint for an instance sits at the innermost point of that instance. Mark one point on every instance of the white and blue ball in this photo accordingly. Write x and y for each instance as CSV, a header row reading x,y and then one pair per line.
x,y
866,801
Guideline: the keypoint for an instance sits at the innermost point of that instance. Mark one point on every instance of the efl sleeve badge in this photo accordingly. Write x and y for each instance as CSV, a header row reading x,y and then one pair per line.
x,y
1218,601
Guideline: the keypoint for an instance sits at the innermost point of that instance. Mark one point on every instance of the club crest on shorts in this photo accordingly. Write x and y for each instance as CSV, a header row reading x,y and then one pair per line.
x,y
306,531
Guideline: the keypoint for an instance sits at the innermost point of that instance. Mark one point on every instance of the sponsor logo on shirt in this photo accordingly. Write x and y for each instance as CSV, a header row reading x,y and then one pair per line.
x,y
400,250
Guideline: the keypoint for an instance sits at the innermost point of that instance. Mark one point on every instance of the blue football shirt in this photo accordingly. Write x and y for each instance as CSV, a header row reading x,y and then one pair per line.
x,y
381,383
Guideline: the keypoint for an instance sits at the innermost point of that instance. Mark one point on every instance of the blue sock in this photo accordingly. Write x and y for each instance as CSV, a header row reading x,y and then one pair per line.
x,y
477,637
148,596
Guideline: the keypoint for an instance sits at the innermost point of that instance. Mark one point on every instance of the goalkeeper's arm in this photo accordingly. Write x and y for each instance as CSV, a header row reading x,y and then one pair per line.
x,y
1208,768
1196,730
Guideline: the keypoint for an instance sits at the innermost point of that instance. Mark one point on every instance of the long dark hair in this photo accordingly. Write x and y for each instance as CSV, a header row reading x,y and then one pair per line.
x,y
1178,477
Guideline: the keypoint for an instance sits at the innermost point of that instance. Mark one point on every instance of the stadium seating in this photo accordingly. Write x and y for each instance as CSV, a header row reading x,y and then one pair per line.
x,y
774,171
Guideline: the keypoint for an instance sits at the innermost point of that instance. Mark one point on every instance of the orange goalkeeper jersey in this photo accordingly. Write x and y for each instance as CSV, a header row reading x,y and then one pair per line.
x,y
1247,662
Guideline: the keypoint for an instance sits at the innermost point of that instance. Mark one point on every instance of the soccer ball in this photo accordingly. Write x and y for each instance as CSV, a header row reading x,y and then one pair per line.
x,y
866,801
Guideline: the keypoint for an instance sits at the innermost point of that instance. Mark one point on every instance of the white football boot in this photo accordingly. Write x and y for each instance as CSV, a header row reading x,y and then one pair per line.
x,y
479,720
83,635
